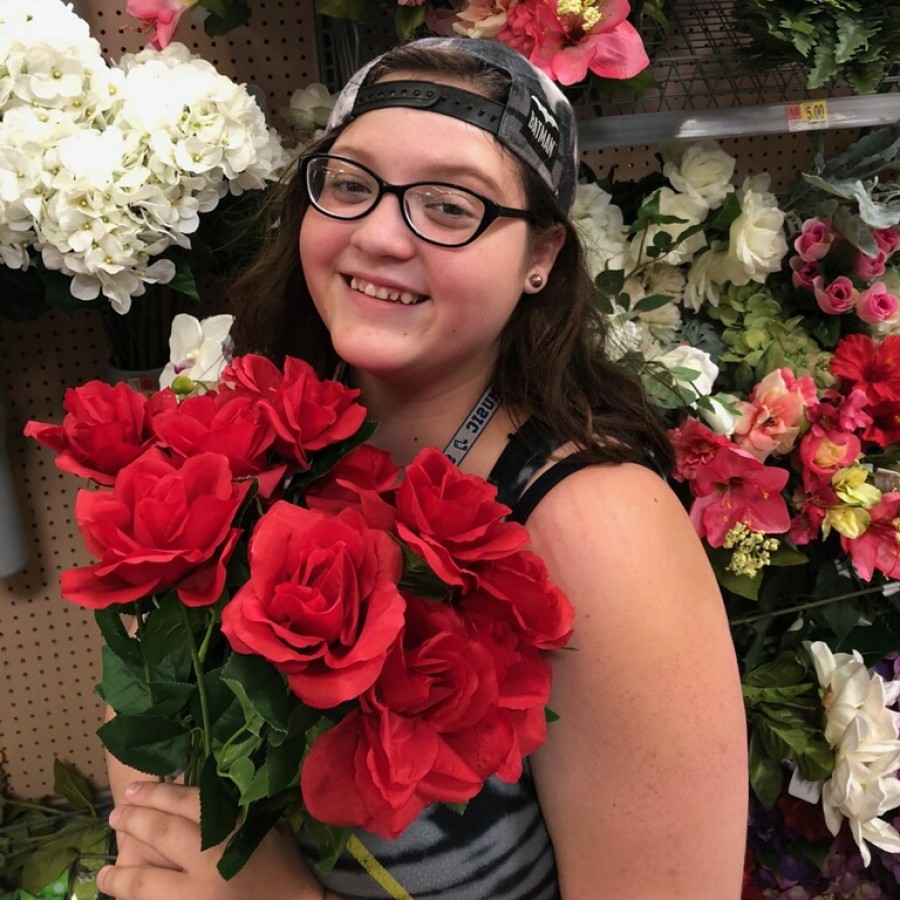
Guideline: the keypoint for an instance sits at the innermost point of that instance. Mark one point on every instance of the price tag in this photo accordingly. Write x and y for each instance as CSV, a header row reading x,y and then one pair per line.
x,y
807,116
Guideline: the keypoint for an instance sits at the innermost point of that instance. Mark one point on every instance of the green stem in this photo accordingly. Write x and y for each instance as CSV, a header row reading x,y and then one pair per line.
x,y
201,686
800,607
210,629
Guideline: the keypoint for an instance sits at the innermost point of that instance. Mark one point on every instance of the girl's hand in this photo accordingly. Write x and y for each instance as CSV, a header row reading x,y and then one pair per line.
x,y
158,827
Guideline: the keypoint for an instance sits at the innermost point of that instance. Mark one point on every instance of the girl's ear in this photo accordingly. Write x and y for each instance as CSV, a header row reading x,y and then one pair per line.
x,y
544,249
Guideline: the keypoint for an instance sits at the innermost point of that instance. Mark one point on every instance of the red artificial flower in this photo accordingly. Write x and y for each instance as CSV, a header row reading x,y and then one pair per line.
x,y
803,818
569,44
878,547
306,412
321,603
884,425
813,501
106,427
453,520
163,525
225,423
366,480
516,589
695,446
733,488
875,368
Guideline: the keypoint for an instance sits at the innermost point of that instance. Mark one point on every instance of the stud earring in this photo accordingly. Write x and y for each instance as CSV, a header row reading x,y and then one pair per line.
x,y
536,280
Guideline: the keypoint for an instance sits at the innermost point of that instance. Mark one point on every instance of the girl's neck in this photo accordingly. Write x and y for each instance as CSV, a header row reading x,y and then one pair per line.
x,y
411,420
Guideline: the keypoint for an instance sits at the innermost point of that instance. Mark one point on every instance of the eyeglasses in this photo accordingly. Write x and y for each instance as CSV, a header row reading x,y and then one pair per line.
x,y
444,214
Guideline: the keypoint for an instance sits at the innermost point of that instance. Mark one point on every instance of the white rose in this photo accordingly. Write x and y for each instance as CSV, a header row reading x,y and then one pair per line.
x,y
700,371
756,238
601,227
310,107
719,412
708,272
702,169
690,211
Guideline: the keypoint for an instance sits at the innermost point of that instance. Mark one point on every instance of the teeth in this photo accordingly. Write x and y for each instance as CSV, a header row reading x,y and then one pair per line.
x,y
382,293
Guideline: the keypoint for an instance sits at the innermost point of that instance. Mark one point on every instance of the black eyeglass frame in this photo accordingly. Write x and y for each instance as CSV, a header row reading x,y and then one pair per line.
x,y
492,210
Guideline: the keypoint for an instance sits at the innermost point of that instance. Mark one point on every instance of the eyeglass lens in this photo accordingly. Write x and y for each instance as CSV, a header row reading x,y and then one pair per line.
x,y
442,213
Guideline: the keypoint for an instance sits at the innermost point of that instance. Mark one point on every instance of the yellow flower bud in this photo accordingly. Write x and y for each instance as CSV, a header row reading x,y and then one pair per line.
x,y
851,485
849,521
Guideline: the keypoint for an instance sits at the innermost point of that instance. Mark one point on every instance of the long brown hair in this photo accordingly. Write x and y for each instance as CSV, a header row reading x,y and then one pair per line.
x,y
551,363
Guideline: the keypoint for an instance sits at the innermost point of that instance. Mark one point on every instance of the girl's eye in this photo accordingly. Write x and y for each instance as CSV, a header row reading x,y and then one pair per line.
x,y
347,187
449,207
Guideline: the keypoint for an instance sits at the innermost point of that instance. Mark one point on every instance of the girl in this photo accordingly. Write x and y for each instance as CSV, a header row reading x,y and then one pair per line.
x,y
438,272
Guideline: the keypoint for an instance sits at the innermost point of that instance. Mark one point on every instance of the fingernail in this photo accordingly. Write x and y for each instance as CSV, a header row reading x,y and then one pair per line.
x,y
132,789
114,817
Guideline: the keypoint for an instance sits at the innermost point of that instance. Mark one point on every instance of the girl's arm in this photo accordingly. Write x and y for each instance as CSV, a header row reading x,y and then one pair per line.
x,y
643,781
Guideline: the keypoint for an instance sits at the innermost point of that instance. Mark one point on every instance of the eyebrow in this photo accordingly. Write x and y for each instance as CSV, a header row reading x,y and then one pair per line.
x,y
441,172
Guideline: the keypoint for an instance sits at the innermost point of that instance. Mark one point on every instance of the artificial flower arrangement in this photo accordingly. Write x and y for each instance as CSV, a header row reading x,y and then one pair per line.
x,y
768,333
297,597
106,170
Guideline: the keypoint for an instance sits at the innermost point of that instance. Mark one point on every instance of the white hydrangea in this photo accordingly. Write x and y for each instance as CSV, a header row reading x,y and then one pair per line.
x,y
104,167
863,731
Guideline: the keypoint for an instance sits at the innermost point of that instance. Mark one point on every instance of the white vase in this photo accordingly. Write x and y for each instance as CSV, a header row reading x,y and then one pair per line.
x,y
13,554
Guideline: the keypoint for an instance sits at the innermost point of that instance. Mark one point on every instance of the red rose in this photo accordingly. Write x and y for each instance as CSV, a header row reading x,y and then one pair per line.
x,y
518,590
322,603
453,520
225,423
161,526
306,413
106,428
365,480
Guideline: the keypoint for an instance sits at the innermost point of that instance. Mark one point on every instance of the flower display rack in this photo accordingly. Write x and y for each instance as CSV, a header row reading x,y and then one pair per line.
x,y
709,85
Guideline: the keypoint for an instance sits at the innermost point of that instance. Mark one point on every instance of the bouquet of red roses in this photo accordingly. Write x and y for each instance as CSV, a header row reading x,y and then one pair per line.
x,y
318,634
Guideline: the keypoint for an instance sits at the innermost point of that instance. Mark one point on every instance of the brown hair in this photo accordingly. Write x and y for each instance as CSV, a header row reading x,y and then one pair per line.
x,y
551,363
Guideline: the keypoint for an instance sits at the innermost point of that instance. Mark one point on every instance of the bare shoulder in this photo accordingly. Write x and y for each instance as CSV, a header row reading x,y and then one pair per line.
x,y
650,746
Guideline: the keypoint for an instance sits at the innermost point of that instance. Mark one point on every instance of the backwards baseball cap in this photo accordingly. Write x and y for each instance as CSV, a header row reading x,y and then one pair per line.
x,y
536,121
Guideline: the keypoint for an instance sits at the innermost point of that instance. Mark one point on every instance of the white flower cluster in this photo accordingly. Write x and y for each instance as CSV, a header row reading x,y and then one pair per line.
x,y
863,731
104,167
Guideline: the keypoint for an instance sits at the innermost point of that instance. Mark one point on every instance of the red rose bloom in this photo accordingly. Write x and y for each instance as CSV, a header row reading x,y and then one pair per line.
x,y
306,413
516,589
162,526
366,480
322,603
225,423
453,520
873,367
106,428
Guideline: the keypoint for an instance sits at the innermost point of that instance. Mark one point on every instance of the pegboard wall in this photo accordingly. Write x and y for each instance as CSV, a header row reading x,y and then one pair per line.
x,y
49,649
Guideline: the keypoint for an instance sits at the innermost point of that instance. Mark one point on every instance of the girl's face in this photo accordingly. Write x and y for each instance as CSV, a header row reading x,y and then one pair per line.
x,y
463,296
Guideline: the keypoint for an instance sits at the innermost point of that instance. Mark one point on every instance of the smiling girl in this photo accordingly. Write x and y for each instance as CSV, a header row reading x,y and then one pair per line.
x,y
422,251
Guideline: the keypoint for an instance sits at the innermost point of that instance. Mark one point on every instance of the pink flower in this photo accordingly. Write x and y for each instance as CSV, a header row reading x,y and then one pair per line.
x,y
875,304
733,488
839,297
160,16
771,420
887,239
883,427
851,413
567,38
814,240
869,267
879,546
824,452
874,368
695,446
803,273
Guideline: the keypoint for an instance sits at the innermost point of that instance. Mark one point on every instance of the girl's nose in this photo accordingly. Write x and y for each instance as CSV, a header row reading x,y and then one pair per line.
x,y
384,232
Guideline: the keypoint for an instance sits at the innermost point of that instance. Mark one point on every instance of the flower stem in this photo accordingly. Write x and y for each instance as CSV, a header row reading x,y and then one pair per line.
x,y
800,607
201,691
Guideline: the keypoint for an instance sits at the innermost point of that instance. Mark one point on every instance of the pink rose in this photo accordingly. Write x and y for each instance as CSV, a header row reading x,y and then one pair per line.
x,y
814,240
824,452
803,274
887,239
839,297
875,304
869,267
771,420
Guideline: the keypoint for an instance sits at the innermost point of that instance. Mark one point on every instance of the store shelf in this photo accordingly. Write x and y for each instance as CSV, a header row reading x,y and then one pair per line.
x,y
739,121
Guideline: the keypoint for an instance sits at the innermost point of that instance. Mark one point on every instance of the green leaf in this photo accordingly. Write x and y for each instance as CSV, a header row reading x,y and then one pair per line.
x,y
116,637
742,585
407,19
786,555
183,281
165,645
329,840
283,763
72,786
124,687
766,775
354,10
852,35
58,852
654,301
824,65
610,281
721,219
224,15
218,809
153,744
247,838
260,687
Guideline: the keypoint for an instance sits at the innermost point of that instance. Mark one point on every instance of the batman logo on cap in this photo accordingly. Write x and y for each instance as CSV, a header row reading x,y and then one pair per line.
x,y
542,131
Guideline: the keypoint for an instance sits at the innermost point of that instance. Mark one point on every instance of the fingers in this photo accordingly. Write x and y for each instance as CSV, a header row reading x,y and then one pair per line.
x,y
139,883
175,799
132,852
172,837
